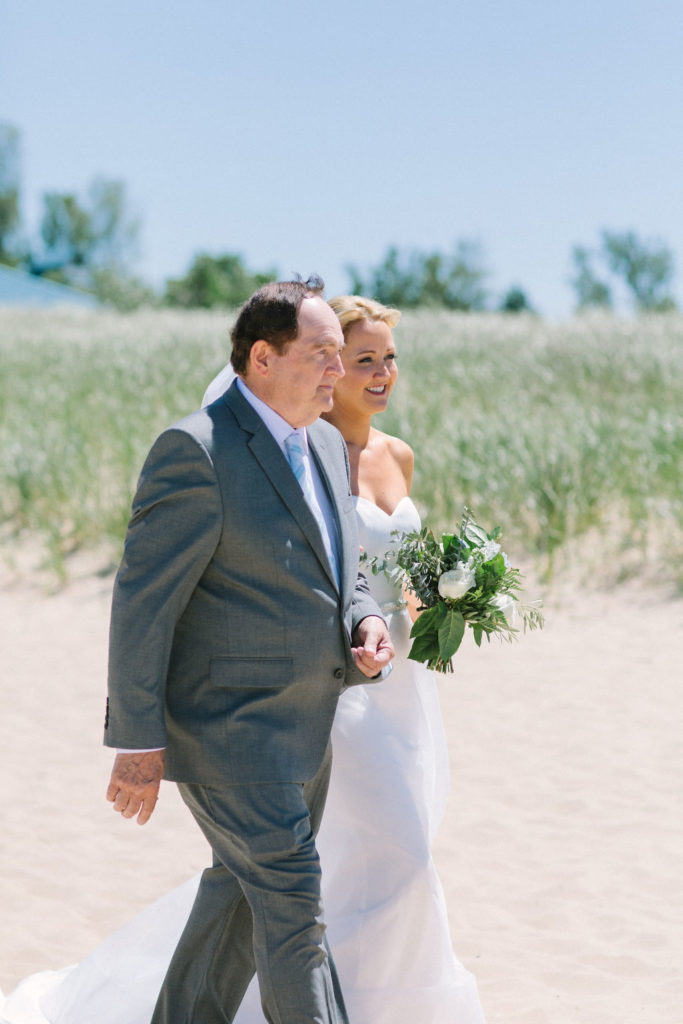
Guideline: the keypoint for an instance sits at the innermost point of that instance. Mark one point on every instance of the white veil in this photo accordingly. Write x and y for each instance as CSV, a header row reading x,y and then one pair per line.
x,y
220,383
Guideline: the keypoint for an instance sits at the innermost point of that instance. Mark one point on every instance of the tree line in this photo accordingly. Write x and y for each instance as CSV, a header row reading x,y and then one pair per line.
x,y
90,241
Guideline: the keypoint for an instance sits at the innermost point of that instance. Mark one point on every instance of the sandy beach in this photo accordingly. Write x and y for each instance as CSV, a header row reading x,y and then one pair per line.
x,y
560,853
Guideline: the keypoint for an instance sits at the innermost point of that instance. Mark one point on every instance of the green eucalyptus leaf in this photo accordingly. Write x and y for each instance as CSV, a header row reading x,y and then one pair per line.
x,y
448,540
475,534
497,564
424,648
451,634
430,620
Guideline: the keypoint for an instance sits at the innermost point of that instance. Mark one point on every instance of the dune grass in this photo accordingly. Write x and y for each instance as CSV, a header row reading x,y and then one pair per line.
x,y
570,436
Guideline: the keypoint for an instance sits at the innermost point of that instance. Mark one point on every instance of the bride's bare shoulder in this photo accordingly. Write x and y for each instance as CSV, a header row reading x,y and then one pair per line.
x,y
401,453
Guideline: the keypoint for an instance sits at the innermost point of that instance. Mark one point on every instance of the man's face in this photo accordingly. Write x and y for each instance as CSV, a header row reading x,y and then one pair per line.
x,y
300,382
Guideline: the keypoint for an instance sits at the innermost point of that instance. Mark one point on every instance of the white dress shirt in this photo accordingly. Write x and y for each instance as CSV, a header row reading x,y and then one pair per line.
x,y
281,429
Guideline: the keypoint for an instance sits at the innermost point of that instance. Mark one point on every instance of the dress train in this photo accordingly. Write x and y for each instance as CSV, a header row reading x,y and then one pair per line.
x,y
384,906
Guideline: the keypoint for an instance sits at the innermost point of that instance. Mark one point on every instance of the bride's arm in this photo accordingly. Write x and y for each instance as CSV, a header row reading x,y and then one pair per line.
x,y
412,603
403,454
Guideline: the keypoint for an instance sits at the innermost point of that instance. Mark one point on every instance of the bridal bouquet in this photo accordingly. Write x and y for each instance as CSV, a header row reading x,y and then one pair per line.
x,y
460,579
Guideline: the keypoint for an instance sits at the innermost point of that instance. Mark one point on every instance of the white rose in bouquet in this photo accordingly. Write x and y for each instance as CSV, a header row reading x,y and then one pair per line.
x,y
489,550
506,604
456,582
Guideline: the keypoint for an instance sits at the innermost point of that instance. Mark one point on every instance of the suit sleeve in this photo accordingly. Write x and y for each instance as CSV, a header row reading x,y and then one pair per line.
x,y
173,532
363,604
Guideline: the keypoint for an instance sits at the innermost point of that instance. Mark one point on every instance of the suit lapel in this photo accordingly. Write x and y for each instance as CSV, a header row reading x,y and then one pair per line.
x,y
333,471
267,453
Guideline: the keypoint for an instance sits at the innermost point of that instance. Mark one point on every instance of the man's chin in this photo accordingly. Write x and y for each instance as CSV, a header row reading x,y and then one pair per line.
x,y
326,401
313,415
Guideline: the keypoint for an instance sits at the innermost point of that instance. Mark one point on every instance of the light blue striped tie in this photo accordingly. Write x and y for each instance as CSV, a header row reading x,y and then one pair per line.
x,y
294,445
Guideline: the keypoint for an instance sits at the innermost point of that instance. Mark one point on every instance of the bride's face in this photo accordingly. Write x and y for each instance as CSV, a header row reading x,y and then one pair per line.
x,y
370,370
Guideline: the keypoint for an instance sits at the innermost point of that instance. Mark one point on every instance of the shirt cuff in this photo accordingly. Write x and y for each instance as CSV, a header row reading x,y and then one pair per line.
x,y
138,750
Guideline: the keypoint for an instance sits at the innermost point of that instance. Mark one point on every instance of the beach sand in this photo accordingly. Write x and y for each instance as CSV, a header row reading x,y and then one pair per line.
x,y
560,853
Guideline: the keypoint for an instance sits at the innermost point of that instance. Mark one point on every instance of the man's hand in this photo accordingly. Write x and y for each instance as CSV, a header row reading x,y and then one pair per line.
x,y
373,647
134,784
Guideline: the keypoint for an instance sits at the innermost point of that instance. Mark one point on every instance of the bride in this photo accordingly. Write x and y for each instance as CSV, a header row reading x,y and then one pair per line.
x,y
386,915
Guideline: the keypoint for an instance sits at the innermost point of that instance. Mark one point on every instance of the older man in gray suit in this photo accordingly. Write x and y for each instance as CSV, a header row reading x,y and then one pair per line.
x,y
238,617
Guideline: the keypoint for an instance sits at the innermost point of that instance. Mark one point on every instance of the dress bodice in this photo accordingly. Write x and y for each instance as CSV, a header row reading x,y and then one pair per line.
x,y
376,531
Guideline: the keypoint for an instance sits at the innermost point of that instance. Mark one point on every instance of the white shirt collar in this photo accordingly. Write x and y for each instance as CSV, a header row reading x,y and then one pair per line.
x,y
278,427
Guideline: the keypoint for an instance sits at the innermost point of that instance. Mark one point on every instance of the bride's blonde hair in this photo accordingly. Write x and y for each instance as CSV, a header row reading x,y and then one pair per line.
x,y
352,308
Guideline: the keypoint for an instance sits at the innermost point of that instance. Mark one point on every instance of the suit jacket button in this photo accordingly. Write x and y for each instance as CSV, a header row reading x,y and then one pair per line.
x,y
339,673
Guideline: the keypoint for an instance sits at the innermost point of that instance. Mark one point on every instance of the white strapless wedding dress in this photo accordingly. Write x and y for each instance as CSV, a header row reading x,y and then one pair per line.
x,y
384,906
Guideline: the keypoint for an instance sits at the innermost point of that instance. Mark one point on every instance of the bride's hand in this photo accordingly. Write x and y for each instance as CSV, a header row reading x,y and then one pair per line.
x,y
134,784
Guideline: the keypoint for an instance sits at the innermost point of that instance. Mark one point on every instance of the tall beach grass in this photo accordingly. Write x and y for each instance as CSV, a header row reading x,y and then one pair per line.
x,y
570,436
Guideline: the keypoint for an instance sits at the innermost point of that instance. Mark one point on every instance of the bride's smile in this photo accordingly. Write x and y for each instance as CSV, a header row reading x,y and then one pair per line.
x,y
369,359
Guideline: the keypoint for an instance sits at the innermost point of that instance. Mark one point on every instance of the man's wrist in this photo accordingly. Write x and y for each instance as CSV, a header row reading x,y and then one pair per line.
x,y
370,615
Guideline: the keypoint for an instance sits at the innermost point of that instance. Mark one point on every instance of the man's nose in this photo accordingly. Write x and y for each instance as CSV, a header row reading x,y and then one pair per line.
x,y
337,367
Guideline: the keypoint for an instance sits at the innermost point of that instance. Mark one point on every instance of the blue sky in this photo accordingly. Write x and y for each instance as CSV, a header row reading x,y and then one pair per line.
x,y
307,136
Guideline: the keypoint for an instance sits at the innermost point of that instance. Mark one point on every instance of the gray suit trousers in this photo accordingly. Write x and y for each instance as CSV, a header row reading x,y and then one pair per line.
x,y
258,908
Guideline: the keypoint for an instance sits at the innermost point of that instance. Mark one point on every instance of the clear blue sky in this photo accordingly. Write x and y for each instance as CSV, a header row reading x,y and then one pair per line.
x,y
309,135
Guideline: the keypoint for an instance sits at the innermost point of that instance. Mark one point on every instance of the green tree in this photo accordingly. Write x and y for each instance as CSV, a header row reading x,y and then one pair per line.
x,y
80,237
591,292
66,231
114,286
83,242
215,281
412,279
515,300
9,195
646,269
455,281
389,282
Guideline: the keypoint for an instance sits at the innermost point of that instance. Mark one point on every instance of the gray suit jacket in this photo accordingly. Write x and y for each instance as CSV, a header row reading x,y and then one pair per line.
x,y
230,641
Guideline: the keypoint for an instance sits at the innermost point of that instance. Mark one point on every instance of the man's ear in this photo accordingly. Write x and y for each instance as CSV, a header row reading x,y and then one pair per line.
x,y
260,356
